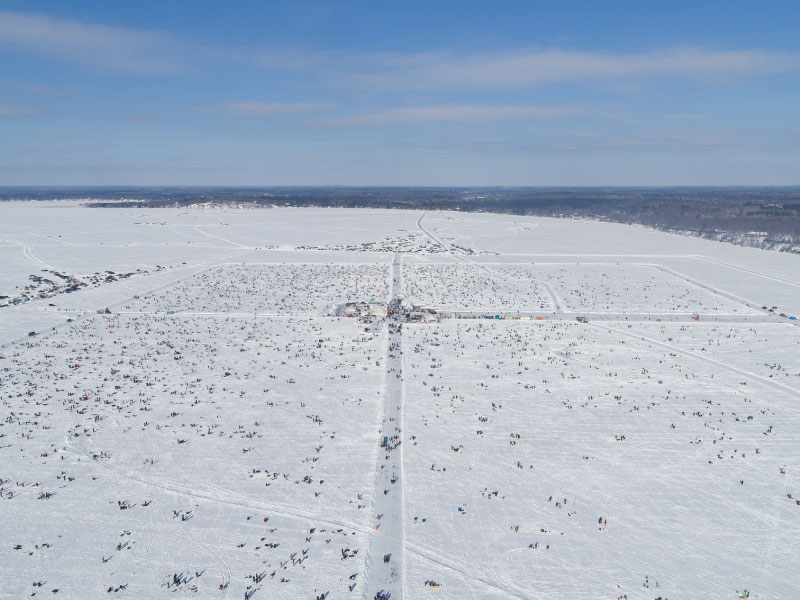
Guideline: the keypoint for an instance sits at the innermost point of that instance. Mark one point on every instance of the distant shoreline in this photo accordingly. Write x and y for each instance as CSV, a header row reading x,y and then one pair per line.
x,y
759,217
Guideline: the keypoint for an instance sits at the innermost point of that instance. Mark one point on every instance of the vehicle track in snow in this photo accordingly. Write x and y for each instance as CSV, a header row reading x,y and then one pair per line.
x,y
777,385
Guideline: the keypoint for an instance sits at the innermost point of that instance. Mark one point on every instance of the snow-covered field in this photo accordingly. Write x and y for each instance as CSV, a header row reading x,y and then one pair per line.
x,y
217,434
258,429
291,289
463,286
553,460
612,288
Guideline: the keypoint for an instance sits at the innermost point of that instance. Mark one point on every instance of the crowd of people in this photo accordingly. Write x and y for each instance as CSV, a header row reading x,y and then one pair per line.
x,y
212,450
227,444
279,288
580,445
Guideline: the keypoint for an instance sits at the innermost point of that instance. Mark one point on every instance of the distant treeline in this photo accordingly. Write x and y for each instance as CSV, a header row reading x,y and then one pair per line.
x,y
733,214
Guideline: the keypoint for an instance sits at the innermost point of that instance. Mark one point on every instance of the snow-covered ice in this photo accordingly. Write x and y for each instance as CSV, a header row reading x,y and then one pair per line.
x,y
218,433
288,288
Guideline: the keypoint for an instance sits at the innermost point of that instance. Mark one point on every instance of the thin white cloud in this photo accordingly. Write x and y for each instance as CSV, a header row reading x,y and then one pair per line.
x,y
686,117
25,86
452,114
527,68
260,109
7,110
90,44
132,50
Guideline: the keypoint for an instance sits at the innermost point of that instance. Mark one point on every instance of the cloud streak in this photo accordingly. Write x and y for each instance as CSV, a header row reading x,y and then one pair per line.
x,y
7,110
263,109
528,68
147,52
474,113
90,44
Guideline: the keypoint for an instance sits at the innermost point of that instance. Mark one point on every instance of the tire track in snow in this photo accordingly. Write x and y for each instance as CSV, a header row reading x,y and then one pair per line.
x,y
784,388
718,262
505,588
211,235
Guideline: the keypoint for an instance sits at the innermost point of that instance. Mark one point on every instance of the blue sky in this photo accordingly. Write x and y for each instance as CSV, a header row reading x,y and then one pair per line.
x,y
401,93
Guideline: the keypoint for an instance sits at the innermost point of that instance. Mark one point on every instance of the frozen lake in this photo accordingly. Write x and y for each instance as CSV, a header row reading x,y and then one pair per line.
x,y
191,417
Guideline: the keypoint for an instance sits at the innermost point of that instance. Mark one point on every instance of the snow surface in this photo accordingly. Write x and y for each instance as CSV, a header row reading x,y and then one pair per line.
x,y
290,289
470,287
217,433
